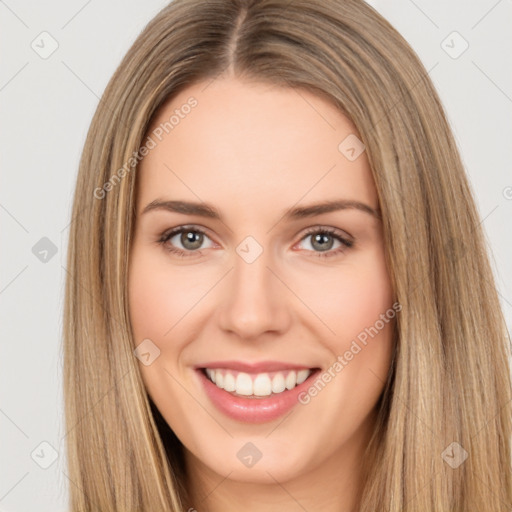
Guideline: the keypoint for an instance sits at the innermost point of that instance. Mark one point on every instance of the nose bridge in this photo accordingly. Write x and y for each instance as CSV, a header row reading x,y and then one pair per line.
x,y
255,301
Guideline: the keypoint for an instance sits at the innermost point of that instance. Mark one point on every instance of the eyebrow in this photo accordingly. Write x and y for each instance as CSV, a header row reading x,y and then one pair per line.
x,y
301,212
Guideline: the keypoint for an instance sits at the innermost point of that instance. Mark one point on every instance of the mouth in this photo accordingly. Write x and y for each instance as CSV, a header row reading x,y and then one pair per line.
x,y
256,385
248,394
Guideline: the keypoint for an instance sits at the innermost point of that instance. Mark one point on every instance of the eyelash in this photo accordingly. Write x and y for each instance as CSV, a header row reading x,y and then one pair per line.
x,y
167,235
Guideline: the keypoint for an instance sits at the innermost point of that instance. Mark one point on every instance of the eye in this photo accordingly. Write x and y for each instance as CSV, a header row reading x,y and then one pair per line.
x,y
323,239
191,239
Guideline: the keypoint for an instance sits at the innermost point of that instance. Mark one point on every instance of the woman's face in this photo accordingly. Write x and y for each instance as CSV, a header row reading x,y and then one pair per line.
x,y
260,289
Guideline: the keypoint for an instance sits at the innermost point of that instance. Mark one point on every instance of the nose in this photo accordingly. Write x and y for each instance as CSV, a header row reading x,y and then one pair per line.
x,y
255,301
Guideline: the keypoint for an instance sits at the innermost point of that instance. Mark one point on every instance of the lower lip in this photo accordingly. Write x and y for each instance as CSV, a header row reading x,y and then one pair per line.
x,y
254,410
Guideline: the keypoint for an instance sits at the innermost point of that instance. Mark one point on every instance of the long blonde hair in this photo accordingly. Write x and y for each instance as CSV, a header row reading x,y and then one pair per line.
x,y
449,381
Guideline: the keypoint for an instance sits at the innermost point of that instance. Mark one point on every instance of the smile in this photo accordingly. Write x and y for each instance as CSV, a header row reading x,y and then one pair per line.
x,y
254,393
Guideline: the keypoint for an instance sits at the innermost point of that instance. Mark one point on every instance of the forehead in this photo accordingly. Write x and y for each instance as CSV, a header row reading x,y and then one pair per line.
x,y
245,145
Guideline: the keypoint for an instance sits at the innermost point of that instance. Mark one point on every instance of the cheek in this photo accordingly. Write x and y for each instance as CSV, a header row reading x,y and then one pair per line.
x,y
350,298
157,302
352,303
159,296
150,303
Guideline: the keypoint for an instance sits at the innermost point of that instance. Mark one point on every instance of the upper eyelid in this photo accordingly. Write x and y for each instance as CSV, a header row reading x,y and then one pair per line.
x,y
331,230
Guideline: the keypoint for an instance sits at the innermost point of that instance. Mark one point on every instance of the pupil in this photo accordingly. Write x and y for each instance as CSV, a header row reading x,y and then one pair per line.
x,y
322,238
192,238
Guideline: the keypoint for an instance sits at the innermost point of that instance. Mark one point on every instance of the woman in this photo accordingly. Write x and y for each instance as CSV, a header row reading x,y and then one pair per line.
x,y
279,295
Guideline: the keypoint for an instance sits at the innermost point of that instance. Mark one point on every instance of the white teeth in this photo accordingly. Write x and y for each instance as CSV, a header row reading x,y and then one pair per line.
x,y
243,384
261,384
291,380
229,382
219,379
302,375
278,385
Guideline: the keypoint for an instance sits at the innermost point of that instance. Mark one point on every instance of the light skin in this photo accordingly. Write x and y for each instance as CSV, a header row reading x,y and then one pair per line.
x,y
253,151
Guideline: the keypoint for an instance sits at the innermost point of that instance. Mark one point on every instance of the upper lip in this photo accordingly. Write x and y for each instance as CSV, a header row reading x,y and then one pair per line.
x,y
254,367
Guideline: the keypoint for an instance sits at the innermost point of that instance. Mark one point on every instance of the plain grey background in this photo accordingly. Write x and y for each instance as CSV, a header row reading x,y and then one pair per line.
x,y
47,102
